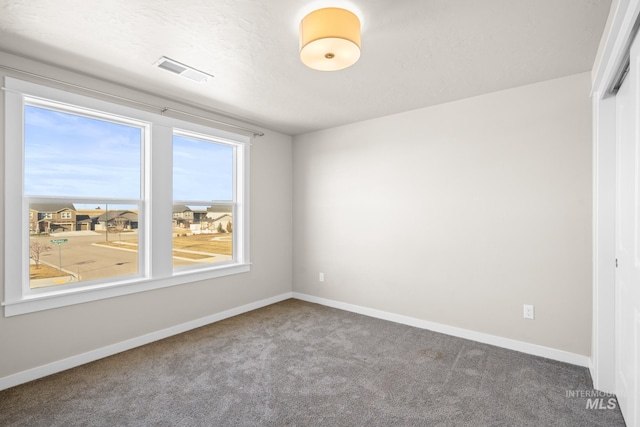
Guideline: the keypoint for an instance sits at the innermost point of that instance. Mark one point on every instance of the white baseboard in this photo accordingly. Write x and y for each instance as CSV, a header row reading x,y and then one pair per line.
x,y
81,359
90,356
534,349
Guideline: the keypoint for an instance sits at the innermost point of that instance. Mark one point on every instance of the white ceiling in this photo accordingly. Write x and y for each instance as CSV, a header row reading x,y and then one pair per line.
x,y
415,53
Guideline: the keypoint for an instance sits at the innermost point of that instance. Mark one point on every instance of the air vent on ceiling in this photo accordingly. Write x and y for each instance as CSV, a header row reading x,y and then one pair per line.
x,y
183,70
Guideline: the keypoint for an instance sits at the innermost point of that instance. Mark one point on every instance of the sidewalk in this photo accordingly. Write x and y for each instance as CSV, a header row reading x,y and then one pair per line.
x,y
70,277
73,233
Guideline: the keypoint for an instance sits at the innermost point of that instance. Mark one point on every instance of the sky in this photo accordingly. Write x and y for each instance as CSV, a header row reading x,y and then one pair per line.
x,y
75,156
202,170
68,155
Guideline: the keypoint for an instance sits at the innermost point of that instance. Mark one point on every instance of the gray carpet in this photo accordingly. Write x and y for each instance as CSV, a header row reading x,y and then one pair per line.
x,y
300,364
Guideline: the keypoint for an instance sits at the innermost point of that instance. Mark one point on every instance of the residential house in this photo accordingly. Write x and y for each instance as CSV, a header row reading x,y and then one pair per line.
x,y
216,212
182,216
51,217
215,219
84,222
218,219
222,224
123,219
199,215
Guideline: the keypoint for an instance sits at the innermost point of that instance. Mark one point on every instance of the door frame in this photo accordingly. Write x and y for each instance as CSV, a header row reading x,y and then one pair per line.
x,y
617,40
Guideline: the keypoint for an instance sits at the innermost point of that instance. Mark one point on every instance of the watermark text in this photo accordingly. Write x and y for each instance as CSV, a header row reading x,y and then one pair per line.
x,y
595,399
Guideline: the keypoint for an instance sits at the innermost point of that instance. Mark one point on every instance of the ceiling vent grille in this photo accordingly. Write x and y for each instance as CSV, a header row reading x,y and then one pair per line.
x,y
183,70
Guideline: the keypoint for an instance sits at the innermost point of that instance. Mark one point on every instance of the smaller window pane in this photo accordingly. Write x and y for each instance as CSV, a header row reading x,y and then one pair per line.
x,y
202,170
69,245
202,235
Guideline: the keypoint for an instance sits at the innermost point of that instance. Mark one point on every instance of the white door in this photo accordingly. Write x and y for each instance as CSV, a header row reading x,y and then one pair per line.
x,y
628,242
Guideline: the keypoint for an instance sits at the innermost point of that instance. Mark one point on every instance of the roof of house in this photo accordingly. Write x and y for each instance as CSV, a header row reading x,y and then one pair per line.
x,y
109,215
51,207
181,208
131,216
218,218
220,209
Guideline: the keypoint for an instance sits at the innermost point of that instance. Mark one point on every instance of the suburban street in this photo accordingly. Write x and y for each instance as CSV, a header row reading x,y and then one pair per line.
x,y
83,258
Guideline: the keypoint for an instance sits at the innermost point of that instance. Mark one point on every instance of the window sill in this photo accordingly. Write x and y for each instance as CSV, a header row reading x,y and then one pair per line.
x,y
57,299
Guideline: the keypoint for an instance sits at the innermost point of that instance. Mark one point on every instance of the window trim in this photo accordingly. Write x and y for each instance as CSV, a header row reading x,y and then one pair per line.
x,y
233,202
157,205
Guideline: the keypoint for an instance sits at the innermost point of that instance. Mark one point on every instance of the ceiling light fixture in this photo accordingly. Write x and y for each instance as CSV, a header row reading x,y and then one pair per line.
x,y
330,39
183,70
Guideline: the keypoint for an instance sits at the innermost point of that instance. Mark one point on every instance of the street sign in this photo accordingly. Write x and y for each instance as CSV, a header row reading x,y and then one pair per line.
x,y
59,242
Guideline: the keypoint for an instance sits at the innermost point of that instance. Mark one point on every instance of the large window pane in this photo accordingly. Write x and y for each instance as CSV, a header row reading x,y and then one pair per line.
x,y
72,155
69,155
203,173
70,243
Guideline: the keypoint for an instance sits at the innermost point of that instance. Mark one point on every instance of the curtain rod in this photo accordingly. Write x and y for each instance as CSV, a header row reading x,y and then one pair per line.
x,y
122,98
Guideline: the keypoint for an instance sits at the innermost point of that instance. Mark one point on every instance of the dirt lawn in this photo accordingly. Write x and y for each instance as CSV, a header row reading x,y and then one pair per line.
x,y
204,243
44,272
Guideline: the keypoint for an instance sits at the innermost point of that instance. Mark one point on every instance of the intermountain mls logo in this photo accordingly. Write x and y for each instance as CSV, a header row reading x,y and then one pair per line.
x,y
595,399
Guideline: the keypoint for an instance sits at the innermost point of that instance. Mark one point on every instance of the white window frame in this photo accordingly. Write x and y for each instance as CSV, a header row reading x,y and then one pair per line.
x,y
233,202
155,213
65,215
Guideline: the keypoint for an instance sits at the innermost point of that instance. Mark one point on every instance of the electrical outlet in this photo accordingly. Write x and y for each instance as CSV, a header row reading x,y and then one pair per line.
x,y
529,312
321,277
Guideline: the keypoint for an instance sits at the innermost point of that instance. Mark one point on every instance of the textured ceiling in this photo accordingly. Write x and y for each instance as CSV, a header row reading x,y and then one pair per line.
x,y
415,53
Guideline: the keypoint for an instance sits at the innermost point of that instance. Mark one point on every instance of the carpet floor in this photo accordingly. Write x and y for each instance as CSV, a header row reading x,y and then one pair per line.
x,y
301,364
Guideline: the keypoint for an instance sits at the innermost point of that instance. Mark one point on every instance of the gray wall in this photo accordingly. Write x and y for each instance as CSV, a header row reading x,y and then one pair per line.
x,y
32,340
457,214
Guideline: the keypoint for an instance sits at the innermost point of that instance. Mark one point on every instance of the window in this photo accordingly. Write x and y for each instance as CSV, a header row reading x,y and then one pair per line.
x,y
203,184
108,168
99,199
